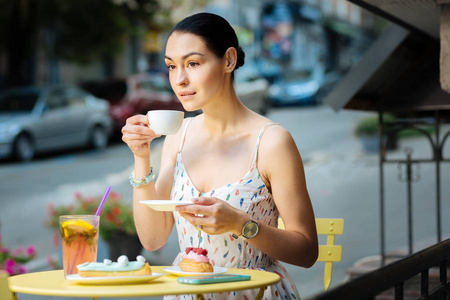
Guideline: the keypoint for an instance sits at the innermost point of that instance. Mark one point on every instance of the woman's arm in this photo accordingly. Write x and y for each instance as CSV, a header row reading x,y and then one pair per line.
x,y
153,227
281,167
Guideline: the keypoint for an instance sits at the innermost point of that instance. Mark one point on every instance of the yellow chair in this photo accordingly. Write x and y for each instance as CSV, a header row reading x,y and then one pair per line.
x,y
5,293
330,252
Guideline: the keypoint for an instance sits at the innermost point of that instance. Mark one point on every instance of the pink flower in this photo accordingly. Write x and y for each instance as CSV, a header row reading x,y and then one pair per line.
x,y
31,250
10,271
10,263
77,195
51,208
18,251
3,250
55,240
22,269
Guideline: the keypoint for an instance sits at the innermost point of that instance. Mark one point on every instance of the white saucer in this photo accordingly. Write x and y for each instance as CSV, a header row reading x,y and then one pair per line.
x,y
164,205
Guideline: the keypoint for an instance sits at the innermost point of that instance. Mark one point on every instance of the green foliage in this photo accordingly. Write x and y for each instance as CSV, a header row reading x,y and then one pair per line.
x,y
83,30
410,133
86,30
115,217
369,125
13,261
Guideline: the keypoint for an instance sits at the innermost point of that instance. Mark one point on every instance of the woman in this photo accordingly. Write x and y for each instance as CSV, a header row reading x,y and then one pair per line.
x,y
240,169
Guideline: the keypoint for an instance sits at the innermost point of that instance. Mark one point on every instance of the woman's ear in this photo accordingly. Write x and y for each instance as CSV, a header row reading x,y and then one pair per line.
x,y
230,59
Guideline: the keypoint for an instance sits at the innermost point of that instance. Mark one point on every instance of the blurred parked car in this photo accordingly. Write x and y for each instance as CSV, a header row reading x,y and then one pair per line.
x,y
42,119
252,90
112,90
294,88
144,92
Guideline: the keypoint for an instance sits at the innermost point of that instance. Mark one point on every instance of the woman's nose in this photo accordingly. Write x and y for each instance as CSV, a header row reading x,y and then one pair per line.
x,y
181,77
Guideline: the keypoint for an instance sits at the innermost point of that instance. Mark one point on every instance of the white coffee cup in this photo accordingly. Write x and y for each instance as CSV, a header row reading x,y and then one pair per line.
x,y
165,122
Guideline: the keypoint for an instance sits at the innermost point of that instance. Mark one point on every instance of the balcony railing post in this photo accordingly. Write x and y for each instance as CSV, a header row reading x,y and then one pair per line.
x,y
396,274
443,272
399,291
424,283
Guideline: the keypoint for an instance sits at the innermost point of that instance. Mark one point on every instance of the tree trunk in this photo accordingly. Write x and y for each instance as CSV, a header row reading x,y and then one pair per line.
x,y
20,45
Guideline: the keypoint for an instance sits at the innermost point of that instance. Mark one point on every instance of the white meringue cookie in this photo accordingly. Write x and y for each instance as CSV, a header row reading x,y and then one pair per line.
x,y
107,261
140,258
122,260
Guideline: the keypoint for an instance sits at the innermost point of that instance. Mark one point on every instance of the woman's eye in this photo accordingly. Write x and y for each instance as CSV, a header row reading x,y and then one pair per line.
x,y
192,64
170,67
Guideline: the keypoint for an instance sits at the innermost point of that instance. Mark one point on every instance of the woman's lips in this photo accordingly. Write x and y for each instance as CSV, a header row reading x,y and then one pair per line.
x,y
186,95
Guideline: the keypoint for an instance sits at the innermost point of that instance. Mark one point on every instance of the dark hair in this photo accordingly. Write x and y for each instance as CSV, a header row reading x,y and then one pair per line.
x,y
215,31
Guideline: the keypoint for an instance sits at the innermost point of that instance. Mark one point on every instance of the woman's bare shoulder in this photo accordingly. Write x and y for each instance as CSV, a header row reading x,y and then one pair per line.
x,y
277,136
277,144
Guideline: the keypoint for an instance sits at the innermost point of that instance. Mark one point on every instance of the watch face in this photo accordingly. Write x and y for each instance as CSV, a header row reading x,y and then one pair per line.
x,y
250,229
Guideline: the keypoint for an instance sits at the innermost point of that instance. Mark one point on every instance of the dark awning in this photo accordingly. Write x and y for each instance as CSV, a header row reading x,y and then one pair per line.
x,y
400,72
414,15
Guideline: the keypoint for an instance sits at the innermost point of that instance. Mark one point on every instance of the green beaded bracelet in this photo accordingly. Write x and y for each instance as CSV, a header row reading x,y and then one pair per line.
x,y
144,181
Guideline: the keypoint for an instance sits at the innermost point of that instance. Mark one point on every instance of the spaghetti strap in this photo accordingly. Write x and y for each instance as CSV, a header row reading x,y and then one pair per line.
x,y
255,154
184,133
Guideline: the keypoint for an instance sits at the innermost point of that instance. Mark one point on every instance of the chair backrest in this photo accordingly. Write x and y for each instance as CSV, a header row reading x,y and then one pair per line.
x,y
5,293
330,252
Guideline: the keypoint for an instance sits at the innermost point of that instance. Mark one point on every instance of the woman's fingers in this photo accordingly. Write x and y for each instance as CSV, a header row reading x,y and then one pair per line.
x,y
137,119
212,214
137,135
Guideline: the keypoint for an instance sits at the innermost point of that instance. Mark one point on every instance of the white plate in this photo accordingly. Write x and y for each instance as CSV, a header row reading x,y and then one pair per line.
x,y
112,279
164,205
177,271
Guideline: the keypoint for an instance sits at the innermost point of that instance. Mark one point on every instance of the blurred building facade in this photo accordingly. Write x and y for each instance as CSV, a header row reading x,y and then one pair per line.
x,y
276,36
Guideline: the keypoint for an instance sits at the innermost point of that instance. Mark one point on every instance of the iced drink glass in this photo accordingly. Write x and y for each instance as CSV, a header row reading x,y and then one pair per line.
x,y
79,239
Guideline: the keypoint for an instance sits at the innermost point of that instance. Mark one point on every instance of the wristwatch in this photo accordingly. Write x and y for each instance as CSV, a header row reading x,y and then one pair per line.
x,y
250,230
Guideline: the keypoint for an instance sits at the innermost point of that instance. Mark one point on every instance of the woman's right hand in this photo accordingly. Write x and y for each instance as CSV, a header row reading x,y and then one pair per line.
x,y
138,135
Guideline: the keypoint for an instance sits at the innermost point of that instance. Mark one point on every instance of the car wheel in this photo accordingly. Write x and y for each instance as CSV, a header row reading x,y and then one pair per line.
x,y
24,148
98,138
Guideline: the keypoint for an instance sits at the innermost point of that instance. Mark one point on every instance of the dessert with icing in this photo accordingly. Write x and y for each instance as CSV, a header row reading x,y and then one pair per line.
x,y
123,267
195,260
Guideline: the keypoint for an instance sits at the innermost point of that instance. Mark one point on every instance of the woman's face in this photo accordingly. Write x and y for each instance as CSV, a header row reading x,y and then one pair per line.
x,y
196,74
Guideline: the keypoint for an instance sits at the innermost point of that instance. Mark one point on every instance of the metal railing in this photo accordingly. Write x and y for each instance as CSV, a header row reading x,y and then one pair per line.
x,y
394,275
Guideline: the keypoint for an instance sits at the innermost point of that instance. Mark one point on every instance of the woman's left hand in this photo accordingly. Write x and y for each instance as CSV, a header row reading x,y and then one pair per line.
x,y
214,215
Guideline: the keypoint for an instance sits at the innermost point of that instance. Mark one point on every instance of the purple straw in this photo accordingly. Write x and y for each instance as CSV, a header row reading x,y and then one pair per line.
x,y
99,209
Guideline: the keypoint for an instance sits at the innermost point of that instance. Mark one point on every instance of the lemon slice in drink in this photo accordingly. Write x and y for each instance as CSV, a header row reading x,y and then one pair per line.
x,y
75,227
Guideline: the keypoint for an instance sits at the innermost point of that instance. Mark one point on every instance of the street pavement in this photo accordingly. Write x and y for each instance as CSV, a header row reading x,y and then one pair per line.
x,y
343,182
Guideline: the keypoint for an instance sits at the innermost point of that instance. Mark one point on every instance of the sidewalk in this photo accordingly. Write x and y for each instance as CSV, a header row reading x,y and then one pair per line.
x,y
342,182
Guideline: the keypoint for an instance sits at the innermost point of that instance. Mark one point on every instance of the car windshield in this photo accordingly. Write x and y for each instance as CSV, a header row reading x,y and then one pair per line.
x,y
18,102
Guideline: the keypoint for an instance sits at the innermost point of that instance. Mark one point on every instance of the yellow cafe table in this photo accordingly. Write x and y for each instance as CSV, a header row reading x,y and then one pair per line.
x,y
53,283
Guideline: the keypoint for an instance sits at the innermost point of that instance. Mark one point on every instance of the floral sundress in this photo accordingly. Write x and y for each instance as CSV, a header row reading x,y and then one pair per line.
x,y
249,194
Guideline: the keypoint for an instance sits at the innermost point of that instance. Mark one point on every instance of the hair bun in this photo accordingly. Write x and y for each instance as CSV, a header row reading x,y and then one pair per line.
x,y
240,58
